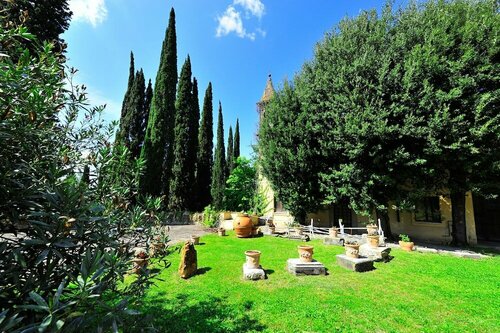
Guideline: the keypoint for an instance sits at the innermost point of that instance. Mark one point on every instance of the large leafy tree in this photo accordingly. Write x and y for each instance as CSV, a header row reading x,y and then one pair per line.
x,y
47,20
219,168
205,151
157,150
402,105
241,188
289,153
452,85
183,170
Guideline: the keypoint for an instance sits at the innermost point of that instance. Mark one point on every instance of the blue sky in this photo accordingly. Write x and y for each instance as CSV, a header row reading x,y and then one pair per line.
x,y
234,44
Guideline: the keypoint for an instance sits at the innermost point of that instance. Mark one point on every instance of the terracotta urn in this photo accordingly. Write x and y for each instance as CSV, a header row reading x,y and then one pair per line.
x,y
299,230
305,253
352,250
243,226
373,240
406,246
333,232
254,219
195,239
253,258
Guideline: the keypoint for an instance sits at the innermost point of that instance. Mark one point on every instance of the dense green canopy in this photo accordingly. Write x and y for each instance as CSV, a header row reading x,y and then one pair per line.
x,y
395,106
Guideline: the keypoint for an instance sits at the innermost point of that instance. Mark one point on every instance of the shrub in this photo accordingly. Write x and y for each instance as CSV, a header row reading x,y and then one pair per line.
x,y
210,217
65,197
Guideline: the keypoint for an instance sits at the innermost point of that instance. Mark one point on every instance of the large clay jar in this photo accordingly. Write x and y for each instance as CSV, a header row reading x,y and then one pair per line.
x,y
352,250
305,253
406,246
332,232
253,258
244,226
373,240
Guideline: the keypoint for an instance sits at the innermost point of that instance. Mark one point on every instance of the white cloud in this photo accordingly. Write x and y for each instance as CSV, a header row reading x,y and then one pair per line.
x,y
256,7
231,21
90,11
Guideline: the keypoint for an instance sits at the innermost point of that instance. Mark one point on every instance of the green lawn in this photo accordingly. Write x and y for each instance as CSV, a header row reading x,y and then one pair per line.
x,y
413,293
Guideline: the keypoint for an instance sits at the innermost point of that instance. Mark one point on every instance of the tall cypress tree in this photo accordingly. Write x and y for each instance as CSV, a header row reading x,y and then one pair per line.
x,y
158,141
219,170
125,104
236,148
134,116
205,151
194,129
183,168
229,154
145,115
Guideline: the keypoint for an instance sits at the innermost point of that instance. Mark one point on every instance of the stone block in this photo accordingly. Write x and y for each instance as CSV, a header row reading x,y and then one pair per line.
x,y
253,273
189,261
355,264
375,253
297,267
333,241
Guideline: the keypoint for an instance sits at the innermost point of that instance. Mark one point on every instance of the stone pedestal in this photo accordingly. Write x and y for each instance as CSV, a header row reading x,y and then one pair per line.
x,y
253,273
333,241
355,264
297,267
375,253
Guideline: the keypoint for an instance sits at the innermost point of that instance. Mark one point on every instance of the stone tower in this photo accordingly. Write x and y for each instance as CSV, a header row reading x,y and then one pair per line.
x,y
266,97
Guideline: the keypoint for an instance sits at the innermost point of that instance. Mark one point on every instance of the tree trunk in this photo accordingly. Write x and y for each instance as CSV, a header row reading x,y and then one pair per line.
x,y
386,224
458,231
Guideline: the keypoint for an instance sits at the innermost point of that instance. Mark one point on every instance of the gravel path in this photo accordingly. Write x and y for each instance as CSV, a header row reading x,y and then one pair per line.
x,y
180,233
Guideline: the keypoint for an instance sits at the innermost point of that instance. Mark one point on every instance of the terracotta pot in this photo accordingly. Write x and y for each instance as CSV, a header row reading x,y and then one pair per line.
x,y
253,258
406,246
221,232
305,253
195,239
352,250
299,230
371,228
333,232
374,240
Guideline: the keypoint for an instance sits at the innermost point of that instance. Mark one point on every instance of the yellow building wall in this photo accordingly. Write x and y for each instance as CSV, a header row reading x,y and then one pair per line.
x,y
424,231
470,222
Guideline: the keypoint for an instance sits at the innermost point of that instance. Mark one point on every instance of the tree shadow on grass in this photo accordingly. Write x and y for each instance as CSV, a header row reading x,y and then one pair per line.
x,y
208,315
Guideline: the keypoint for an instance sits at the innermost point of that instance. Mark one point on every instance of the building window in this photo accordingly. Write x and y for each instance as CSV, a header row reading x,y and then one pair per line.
x,y
427,210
